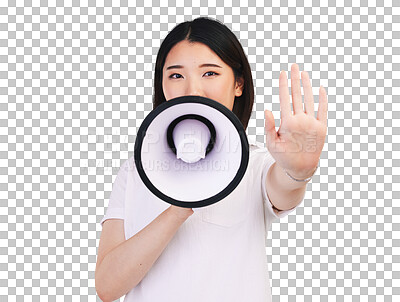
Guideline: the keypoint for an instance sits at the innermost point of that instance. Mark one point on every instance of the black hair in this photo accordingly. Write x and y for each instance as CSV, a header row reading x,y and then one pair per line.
x,y
220,39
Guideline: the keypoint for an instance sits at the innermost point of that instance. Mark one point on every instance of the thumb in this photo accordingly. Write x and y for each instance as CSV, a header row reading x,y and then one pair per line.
x,y
270,133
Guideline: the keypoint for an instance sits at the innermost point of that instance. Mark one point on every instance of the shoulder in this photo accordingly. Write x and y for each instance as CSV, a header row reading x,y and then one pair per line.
x,y
260,158
257,148
128,165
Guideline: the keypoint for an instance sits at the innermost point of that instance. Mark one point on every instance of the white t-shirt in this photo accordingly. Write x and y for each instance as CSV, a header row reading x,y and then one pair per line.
x,y
218,253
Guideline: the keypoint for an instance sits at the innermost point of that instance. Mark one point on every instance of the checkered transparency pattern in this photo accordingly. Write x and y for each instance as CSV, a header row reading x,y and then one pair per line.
x,y
76,83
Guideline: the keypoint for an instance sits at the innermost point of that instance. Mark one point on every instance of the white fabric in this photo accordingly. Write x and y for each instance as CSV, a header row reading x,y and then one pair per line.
x,y
218,254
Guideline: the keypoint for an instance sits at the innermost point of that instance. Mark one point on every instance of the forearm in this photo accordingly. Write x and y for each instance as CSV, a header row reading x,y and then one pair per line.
x,y
283,192
126,265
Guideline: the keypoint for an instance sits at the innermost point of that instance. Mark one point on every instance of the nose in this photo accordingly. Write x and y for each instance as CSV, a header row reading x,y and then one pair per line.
x,y
194,88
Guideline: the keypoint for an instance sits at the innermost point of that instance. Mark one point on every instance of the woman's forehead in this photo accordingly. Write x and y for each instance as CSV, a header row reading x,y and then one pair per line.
x,y
197,53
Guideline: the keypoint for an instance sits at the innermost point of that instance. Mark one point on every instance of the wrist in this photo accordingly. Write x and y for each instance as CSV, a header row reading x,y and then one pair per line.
x,y
301,176
180,213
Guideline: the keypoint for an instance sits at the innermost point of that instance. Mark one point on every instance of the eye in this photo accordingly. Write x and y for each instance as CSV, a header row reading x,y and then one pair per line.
x,y
175,76
211,73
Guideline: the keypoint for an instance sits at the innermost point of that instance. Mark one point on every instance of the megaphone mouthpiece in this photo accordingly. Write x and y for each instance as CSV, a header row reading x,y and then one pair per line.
x,y
191,137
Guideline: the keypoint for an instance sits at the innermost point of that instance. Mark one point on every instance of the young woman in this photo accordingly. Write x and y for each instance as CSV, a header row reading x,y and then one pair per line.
x,y
152,251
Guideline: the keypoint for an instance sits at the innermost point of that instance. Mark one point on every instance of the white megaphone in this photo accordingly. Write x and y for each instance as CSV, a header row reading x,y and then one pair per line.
x,y
191,151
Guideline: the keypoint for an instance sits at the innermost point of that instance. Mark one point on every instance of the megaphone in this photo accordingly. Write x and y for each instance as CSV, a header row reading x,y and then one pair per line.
x,y
191,151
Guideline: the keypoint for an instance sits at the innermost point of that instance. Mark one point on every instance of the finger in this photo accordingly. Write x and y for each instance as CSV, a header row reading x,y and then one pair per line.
x,y
308,94
270,132
284,95
323,106
296,90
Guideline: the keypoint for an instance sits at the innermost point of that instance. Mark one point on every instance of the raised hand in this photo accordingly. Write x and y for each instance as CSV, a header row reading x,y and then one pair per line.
x,y
297,145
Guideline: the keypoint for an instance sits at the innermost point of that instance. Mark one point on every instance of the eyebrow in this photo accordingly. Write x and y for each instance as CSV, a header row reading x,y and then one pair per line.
x,y
201,66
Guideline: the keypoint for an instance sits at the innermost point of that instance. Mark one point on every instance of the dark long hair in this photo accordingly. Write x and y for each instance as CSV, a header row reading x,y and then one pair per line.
x,y
224,43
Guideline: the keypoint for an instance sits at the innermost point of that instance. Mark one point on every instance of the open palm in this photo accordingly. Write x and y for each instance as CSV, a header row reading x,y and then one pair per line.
x,y
297,145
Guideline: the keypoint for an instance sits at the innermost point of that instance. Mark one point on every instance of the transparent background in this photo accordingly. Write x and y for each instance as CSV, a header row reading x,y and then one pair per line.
x,y
76,83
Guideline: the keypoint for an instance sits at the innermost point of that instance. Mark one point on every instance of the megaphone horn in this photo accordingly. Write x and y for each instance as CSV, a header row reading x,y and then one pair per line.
x,y
183,151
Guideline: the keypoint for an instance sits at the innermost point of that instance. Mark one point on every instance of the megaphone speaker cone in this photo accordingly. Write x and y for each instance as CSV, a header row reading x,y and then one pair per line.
x,y
191,137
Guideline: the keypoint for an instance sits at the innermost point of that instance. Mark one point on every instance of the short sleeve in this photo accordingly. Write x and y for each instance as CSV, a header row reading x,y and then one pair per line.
x,y
271,214
116,204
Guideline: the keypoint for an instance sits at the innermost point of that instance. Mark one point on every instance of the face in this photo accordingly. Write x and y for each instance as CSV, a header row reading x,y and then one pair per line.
x,y
194,69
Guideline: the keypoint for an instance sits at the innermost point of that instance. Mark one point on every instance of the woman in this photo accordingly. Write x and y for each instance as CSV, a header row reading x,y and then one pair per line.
x,y
153,251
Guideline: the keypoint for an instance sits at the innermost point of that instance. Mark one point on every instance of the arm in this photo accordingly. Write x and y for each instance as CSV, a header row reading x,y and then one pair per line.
x,y
283,192
297,145
122,268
